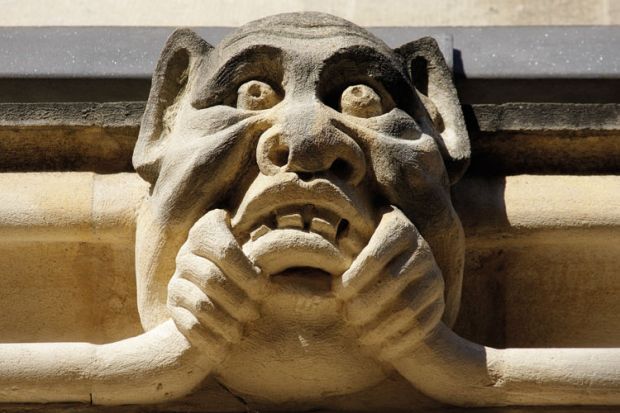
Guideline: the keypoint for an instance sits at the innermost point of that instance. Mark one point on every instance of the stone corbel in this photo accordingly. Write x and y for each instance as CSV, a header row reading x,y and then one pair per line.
x,y
191,158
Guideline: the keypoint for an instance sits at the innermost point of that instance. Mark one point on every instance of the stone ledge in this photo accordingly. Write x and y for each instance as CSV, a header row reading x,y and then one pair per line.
x,y
527,209
514,138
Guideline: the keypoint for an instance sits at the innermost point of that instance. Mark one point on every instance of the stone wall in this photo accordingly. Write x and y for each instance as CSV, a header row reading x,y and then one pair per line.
x,y
362,12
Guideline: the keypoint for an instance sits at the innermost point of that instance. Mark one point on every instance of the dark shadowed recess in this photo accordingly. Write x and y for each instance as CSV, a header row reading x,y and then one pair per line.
x,y
491,64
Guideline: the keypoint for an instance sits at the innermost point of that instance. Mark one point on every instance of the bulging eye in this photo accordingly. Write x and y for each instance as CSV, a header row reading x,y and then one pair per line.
x,y
361,101
256,95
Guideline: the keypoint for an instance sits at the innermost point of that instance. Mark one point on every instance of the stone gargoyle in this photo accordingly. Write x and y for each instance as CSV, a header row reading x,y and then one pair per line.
x,y
299,238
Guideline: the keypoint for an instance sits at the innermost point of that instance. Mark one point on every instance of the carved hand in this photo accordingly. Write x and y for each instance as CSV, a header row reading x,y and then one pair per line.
x,y
215,288
393,291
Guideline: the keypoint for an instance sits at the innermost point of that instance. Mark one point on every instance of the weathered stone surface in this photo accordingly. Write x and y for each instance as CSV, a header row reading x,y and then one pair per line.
x,y
298,247
95,137
512,138
545,138
362,12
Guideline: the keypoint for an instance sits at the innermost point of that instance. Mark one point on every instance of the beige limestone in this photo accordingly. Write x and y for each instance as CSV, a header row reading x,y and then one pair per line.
x,y
569,223
539,315
362,12
298,239
60,207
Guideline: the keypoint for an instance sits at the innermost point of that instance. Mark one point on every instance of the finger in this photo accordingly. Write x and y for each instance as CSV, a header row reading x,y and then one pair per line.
x,y
196,333
428,322
414,282
212,238
411,316
394,234
185,294
212,281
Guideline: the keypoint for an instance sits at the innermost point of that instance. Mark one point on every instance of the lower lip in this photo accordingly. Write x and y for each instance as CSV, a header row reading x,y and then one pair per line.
x,y
283,249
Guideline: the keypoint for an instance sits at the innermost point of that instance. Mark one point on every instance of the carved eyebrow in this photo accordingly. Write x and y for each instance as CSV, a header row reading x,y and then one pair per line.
x,y
259,62
357,63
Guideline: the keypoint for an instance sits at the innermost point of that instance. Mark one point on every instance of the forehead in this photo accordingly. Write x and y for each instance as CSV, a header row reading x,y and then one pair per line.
x,y
306,43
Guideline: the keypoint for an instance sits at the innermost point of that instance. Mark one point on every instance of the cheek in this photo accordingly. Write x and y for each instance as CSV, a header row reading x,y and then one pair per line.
x,y
416,182
214,119
409,170
412,176
198,170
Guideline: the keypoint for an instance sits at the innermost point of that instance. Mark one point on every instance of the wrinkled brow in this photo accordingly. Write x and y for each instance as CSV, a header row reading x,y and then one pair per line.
x,y
367,64
375,60
260,62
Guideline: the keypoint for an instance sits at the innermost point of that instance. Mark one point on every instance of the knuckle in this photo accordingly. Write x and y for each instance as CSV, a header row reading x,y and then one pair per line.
x,y
216,249
183,267
249,311
184,320
184,252
172,307
186,264
199,271
212,286
174,289
223,250
203,305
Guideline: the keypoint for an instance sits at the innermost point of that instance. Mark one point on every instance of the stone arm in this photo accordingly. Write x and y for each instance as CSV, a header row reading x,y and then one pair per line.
x,y
154,367
162,364
455,371
393,295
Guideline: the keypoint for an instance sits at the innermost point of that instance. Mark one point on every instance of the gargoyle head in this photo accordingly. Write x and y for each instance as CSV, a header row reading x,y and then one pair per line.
x,y
306,129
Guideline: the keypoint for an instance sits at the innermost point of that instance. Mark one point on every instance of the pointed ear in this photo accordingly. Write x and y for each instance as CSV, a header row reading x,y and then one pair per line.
x,y
182,54
433,82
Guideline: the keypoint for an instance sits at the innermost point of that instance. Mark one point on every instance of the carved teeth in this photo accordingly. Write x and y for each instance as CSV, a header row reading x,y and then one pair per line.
x,y
324,228
259,232
290,221
328,225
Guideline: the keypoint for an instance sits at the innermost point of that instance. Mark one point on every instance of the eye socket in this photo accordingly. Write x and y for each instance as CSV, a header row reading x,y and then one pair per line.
x,y
257,95
361,101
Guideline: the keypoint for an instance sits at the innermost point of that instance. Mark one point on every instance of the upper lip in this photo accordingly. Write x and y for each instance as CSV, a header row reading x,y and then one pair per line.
x,y
270,195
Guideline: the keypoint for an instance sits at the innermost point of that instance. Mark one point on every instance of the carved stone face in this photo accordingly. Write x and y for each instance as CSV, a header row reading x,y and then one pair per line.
x,y
306,129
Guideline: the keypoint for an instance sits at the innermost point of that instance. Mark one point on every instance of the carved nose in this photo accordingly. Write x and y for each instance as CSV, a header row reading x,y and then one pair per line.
x,y
307,144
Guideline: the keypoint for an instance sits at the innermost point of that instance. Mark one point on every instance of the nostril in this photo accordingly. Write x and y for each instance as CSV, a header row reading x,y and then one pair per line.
x,y
305,176
341,169
279,156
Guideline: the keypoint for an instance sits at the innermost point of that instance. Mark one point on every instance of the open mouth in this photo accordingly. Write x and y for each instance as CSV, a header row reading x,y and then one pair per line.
x,y
307,218
302,233
304,279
